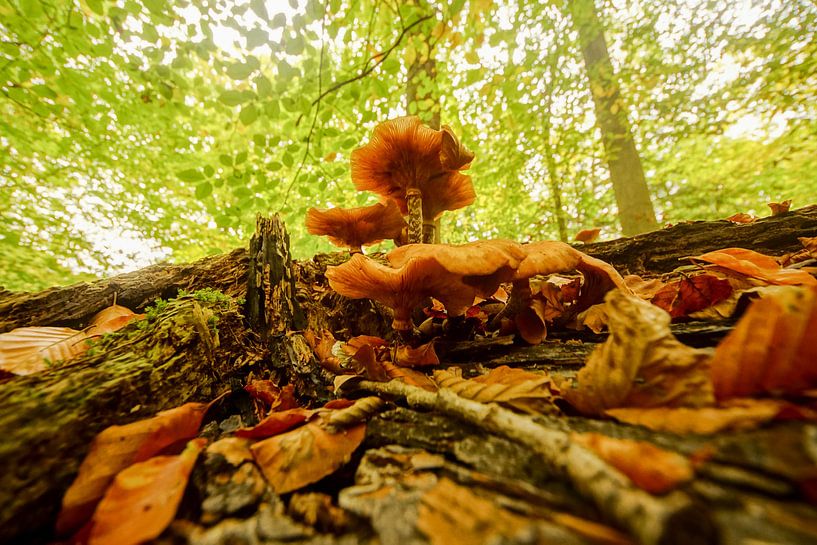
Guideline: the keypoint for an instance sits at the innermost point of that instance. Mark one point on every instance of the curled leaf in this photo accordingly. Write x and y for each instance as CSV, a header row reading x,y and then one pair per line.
x,y
423,355
755,265
28,350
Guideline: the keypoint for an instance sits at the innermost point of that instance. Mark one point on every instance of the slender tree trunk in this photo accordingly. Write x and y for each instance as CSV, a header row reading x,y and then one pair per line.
x,y
632,196
550,162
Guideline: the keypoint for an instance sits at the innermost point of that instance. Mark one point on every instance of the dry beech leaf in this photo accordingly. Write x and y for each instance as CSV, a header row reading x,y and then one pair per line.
x,y
422,356
116,448
810,245
641,364
383,371
587,235
143,499
110,319
27,350
594,317
450,513
531,322
741,217
646,289
274,397
665,470
778,208
305,455
514,388
755,265
689,295
736,414
275,423
772,349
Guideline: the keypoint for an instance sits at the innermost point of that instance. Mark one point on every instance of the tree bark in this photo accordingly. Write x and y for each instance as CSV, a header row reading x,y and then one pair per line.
x,y
635,208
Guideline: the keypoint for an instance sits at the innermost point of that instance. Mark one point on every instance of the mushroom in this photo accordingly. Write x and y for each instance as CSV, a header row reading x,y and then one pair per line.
x,y
547,257
411,163
357,227
400,289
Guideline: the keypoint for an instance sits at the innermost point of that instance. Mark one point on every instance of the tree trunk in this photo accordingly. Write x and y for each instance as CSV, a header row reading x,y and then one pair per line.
x,y
626,173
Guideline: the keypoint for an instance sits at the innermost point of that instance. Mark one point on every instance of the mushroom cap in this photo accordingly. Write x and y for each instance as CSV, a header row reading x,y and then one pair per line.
x,y
356,227
404,154
483,264
400,289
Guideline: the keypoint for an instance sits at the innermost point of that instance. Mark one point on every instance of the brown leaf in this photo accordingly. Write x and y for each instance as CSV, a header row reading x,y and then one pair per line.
x,y
755,265
810,245
116,448
28,350
689,295
587,235
665,471
514,388
110,319
143,499
741,217
531,322
772,349
275,398
738,414
778,208
305,455
381,370
450,513
641,364
275,423
422,356
595,318
646,289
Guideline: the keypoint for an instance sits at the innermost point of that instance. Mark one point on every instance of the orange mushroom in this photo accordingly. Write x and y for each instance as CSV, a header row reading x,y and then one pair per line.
x,y
400,289
410,162
356,227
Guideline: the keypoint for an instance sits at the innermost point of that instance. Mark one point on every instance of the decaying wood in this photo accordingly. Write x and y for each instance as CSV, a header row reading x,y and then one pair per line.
x,y
73,306
662,251
47,420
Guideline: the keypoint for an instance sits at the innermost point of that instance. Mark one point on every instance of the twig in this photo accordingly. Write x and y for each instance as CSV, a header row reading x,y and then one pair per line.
x,y
652,520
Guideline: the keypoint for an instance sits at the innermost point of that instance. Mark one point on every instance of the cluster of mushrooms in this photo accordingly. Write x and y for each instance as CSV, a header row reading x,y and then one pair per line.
x,y
416,171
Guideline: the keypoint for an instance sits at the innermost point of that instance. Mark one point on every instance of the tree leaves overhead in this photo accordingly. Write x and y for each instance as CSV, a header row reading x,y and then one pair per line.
x,y
111,113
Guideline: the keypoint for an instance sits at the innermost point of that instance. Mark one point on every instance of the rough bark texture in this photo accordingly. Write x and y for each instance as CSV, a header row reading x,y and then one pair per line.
x,y
47,420
635,208
664,250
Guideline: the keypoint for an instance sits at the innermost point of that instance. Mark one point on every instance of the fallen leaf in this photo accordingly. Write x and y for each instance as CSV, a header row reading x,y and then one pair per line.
x,y
741,217
275,398
422,356
594,317
381,370
756,265
587,235
450,513
116,448
641,364
810,245
143,498
778,208
531,322
305,455
772,348
665,471
275,423
513,388
28,350
689,295
646,289
738,414
110,319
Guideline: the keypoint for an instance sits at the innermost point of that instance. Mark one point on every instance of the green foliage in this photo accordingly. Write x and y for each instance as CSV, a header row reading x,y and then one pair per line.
x,y
175,123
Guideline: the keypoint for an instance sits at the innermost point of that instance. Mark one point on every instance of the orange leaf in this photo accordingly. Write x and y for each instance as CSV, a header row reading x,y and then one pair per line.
x,y
692,294
515,388
640,364
594,317
780,207
116,448
305,455
277,399
27,350
423,355
738,414
110,319
531,321
143,499
756,265
772,349
646,289
741,217
810,244
587,235
276,423
665,471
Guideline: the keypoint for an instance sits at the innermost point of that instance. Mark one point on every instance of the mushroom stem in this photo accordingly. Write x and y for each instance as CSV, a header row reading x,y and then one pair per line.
x,y
429,231
520,298
414,203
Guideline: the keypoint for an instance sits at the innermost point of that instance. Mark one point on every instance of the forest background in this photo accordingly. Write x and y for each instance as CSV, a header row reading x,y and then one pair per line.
x,y
135,132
